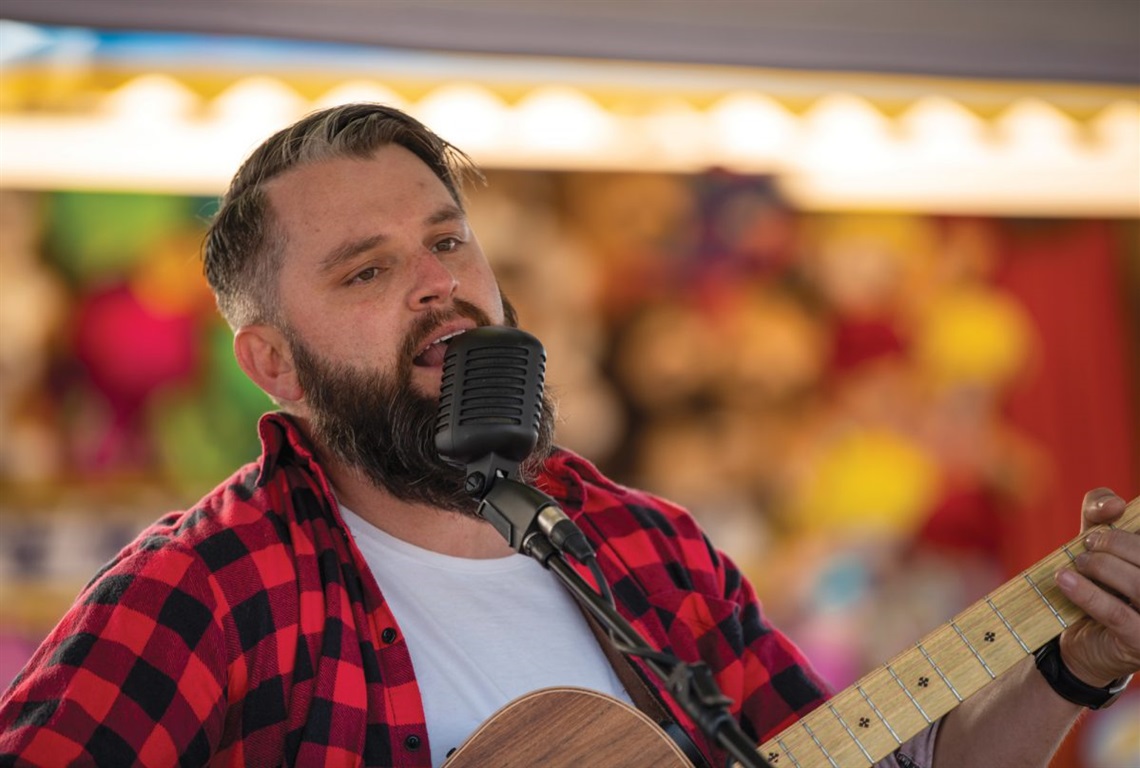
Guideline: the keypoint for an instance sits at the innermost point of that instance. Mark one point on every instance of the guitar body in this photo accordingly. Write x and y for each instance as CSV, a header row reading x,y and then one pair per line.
x,y
568,728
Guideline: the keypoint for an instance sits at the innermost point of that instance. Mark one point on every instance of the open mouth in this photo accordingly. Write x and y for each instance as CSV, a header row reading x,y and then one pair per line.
x,y
431,356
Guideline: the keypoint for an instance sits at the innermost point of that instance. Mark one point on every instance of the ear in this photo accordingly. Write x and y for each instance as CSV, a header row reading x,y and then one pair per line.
x,y
263,353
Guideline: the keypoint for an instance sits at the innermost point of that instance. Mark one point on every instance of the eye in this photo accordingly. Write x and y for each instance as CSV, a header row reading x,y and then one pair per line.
x,y
365,275
447,245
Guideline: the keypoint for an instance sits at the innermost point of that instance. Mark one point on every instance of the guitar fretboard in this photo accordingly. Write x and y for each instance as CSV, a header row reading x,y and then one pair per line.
x,y
872,718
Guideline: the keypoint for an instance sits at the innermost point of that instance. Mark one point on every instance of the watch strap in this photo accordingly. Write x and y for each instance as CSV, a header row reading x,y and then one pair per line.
x,y
1070,687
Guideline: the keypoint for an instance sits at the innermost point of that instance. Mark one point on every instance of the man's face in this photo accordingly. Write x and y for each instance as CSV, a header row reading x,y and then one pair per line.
x,y
379,269
377,256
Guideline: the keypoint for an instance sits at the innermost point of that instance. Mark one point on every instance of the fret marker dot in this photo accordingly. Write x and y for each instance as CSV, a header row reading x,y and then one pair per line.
x,y
923,682
990,637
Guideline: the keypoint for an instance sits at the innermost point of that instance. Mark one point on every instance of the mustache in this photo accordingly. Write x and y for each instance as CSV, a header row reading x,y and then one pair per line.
x,y
424,326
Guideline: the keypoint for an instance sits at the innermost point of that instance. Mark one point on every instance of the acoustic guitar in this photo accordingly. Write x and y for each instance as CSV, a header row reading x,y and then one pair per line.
x,y
572,727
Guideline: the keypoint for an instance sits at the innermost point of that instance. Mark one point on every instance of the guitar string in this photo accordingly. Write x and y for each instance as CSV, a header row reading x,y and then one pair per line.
x,y
973,650
879,714
913,700
1046,601
1001,616
818,744
938,669
850,733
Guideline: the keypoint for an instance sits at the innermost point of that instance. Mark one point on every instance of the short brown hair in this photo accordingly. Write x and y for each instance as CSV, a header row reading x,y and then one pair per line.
x,y
242,251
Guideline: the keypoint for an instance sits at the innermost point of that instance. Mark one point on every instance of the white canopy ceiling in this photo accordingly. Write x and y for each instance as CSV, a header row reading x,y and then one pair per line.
x,y
177,113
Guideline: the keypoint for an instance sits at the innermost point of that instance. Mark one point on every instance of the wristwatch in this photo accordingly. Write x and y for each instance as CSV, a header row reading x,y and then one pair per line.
x,y
1070,687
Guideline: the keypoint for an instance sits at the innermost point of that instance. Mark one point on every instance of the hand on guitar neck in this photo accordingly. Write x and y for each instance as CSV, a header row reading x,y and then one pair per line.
x,y
1093,602
1104,581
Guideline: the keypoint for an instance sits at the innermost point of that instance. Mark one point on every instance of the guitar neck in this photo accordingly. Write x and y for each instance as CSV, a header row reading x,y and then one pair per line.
x,y
869,720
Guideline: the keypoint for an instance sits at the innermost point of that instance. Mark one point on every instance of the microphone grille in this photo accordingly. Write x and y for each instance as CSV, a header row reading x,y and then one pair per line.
x,y
490,395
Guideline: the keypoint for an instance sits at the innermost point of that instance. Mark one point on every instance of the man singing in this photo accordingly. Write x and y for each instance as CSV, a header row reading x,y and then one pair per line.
x,y
338,602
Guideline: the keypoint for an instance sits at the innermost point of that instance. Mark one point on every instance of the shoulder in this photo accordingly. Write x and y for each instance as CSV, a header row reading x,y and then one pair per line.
x,y
643,530
236,539
582,489
260,510
183,550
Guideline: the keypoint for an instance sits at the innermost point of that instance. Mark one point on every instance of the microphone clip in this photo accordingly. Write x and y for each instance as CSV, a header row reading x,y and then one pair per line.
x,y
531,522
482,473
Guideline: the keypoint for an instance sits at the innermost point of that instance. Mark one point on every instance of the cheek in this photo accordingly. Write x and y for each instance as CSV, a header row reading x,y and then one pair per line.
x,y
483,291
363,337
495,311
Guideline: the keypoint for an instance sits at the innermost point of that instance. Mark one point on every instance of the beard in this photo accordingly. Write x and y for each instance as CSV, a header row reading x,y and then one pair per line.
x,y
379,424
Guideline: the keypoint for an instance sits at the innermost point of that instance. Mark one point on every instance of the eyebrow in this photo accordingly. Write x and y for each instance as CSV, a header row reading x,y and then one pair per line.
x,y
346,251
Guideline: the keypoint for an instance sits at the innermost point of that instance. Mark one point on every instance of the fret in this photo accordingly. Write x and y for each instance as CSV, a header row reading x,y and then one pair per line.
x,y
973,650
879,714
822,749
951,657
1043,575
1022,599
787,752
998,646
910,696
1045,600
850,733
865,729
915,673
797,743
824,734
938,669
896,707
1008,626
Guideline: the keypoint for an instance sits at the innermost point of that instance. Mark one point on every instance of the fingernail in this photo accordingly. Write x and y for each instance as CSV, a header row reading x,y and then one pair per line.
x,y
1066,578
1093,540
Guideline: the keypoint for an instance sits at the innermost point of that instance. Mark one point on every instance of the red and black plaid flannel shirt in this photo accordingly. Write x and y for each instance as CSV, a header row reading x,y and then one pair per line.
x,y
249,631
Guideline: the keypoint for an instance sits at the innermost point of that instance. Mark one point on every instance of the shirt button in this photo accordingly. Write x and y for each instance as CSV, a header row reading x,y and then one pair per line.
x,y
388,635
412,743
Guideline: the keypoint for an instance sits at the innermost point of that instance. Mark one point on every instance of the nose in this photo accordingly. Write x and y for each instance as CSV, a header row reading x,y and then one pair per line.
x,y
433,283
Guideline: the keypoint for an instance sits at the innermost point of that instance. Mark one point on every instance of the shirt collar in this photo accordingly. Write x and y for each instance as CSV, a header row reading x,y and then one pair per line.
x,y
283,443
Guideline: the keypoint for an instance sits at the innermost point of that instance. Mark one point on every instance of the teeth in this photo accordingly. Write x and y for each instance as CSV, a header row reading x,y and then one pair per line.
x,y
442,339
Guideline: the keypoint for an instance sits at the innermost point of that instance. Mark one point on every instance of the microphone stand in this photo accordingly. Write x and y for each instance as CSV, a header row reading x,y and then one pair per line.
x,y
525,517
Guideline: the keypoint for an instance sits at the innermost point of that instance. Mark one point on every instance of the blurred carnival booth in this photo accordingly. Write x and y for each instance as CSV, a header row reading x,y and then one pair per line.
x,y
878,331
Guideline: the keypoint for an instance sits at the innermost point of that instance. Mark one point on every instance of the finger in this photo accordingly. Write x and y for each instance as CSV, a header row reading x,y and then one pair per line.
x,y
1100,505
1112,559
1115,541
1101,606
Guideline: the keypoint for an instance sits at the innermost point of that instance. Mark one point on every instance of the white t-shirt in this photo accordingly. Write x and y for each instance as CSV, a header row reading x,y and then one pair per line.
x,y
480,632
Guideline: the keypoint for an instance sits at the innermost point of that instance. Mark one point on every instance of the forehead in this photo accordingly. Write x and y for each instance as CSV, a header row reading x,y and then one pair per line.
x,y
391,179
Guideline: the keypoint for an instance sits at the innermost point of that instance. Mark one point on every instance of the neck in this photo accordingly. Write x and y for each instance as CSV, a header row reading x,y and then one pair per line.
x,y
432,528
